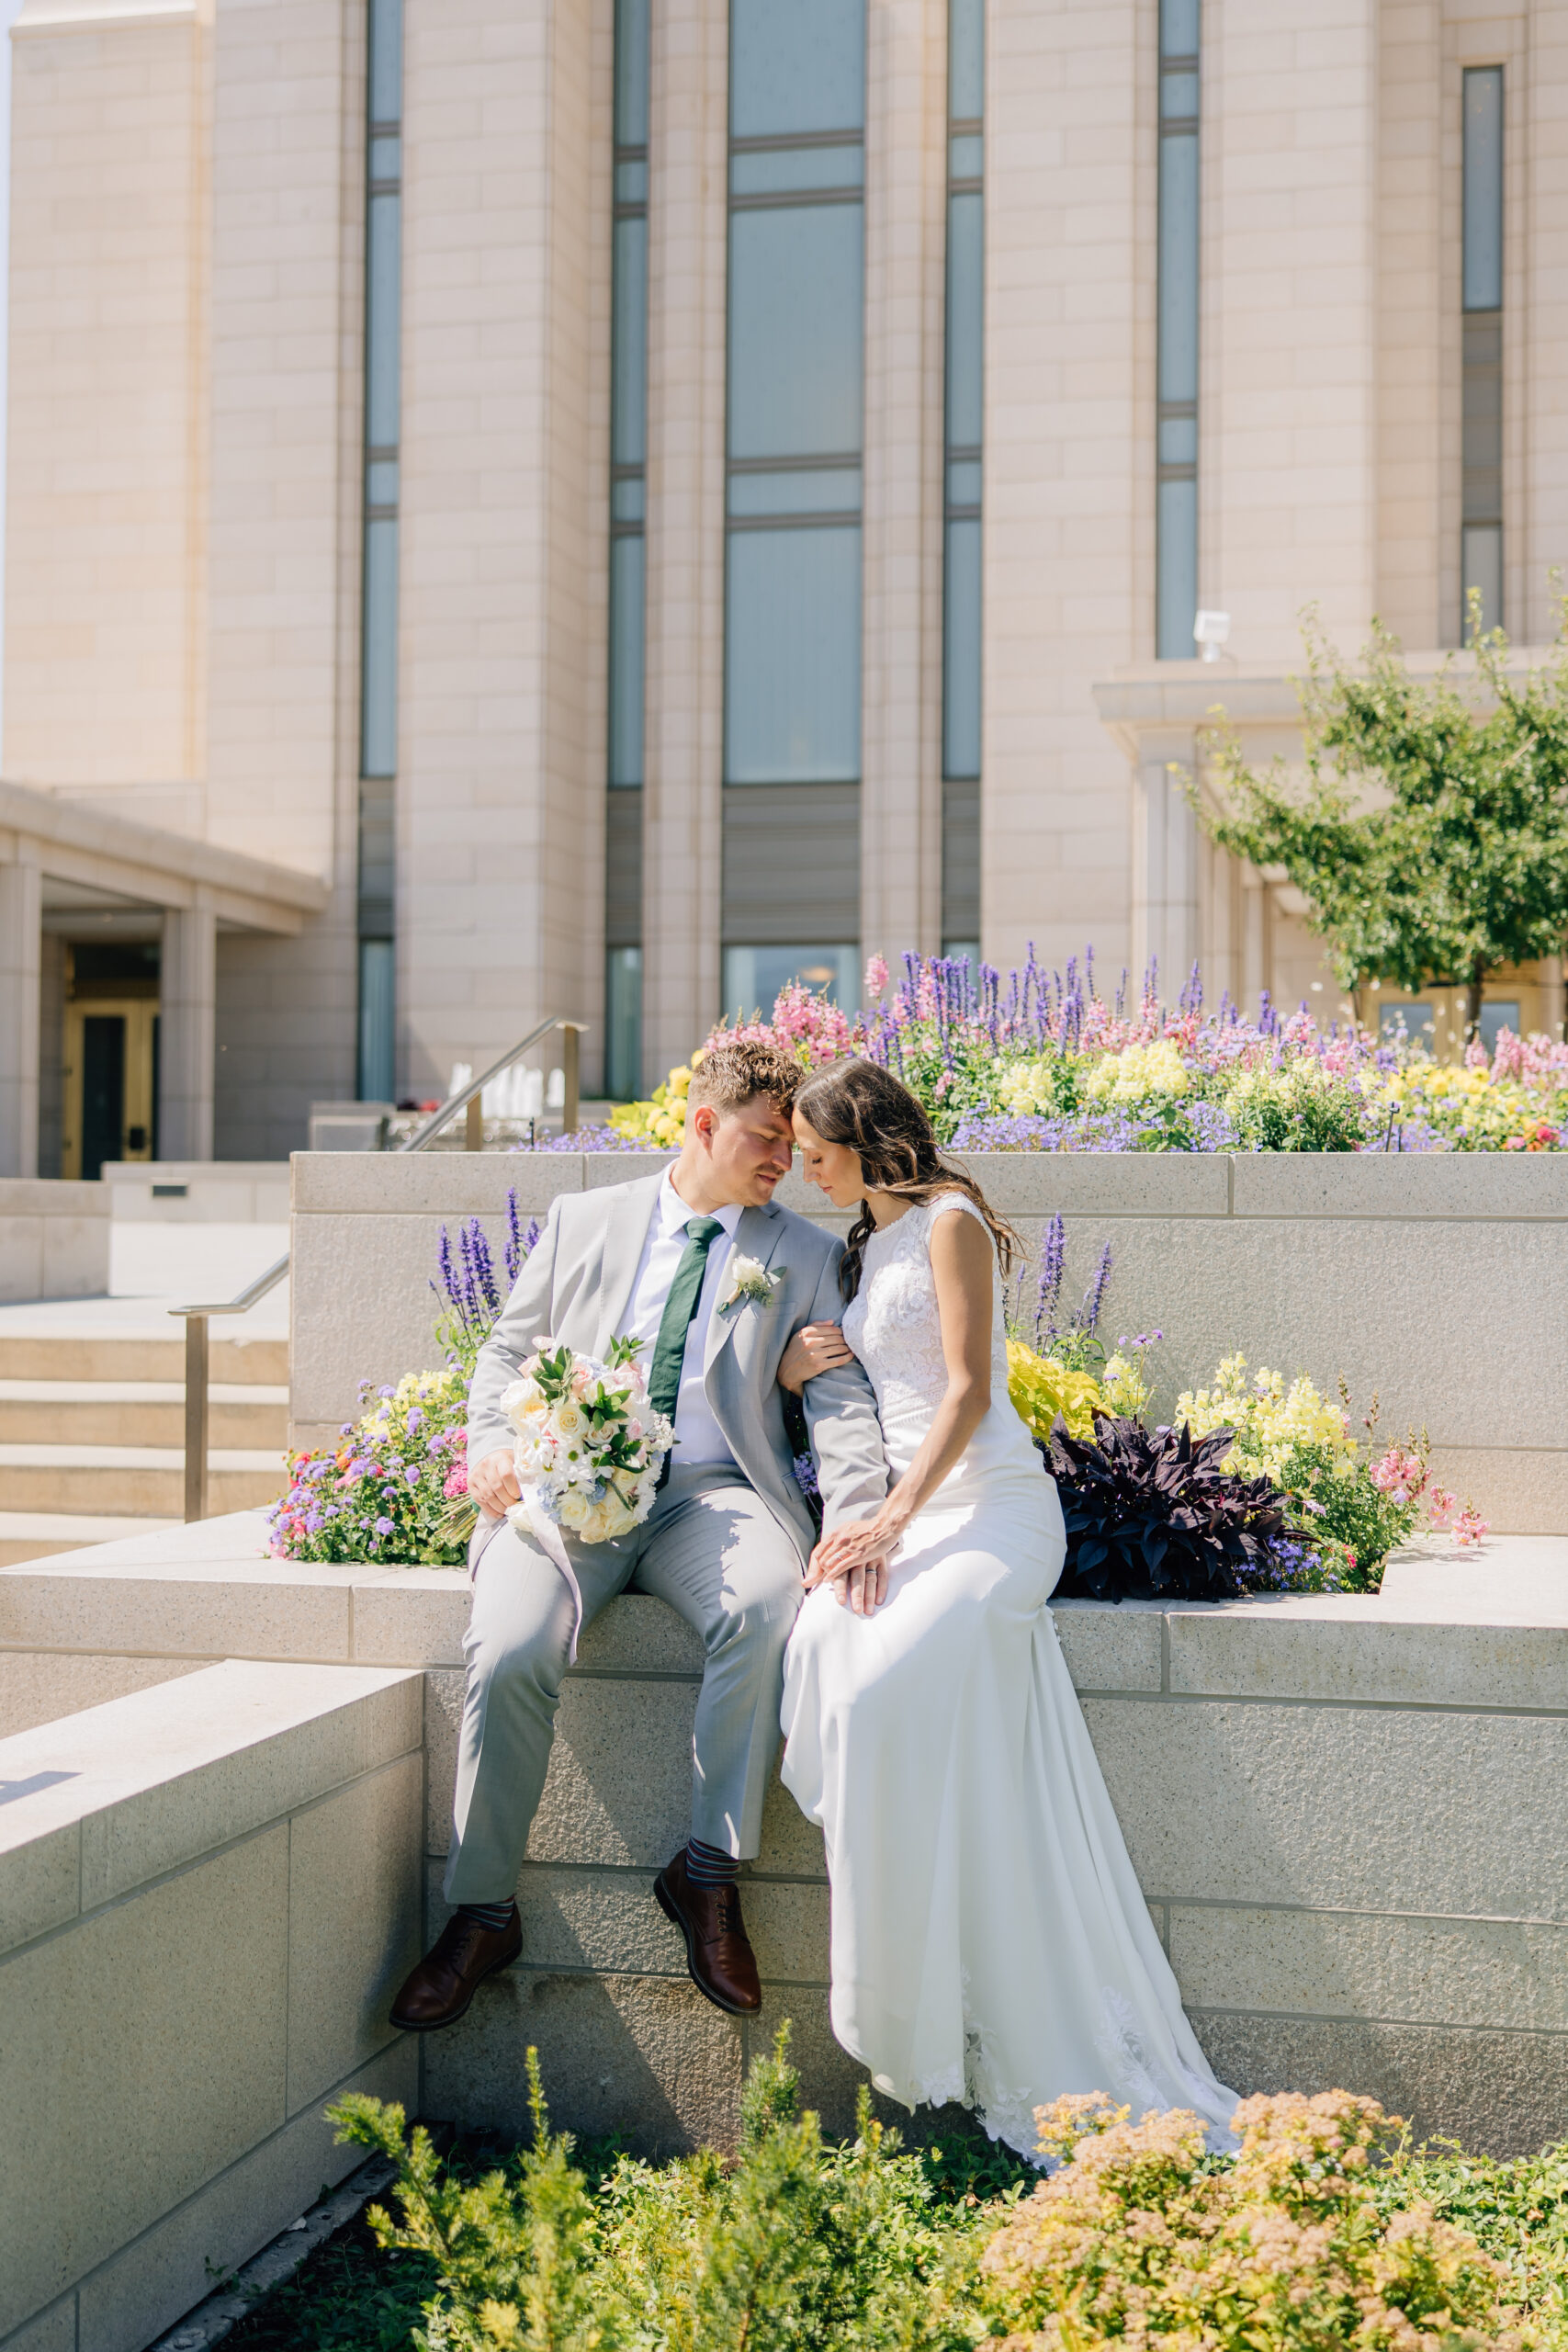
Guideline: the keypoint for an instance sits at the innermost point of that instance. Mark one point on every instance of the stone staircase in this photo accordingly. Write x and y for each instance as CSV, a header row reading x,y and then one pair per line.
x,y
92,1431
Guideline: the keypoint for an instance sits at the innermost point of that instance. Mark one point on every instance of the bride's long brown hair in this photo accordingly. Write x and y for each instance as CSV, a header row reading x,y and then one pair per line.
x,y
863,1106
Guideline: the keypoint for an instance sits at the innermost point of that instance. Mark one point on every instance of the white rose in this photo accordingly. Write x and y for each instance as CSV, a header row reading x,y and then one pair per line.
x,y
574,1507
569,1422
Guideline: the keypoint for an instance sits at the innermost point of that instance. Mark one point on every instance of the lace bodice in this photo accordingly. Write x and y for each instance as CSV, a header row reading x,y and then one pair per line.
x,y
893,1326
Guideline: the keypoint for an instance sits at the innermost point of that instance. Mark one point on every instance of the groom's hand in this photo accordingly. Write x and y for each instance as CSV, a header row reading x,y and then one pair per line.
x,y
493,1483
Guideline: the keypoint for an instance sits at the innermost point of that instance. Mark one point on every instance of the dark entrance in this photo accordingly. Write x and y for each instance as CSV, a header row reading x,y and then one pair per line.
x,y
103,1090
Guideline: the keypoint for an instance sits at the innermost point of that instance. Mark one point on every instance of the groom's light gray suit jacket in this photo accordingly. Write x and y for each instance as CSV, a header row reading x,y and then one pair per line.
x,y
576,1284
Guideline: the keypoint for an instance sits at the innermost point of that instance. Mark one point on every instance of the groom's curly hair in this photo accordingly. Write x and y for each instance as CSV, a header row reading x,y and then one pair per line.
x,y
730,1075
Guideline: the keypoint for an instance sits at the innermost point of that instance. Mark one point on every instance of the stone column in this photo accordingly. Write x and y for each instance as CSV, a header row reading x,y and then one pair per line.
x,y
187,1048
684,746
1165,868
21,932
901,666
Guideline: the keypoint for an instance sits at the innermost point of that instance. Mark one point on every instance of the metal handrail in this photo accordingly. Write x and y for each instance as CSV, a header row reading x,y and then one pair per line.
x,y
469,1098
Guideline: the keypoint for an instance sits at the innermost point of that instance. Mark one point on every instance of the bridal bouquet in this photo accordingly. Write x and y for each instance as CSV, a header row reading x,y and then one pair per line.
x,y
590,1446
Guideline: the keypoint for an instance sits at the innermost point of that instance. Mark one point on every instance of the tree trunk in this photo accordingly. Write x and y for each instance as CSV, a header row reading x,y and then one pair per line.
x,y
1473,999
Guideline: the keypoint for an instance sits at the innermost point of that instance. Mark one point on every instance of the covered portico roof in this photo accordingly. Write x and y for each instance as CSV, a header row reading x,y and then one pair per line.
x,y
93,858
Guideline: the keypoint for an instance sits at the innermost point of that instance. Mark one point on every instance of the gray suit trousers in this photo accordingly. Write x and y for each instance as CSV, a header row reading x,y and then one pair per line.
x,y
710,1547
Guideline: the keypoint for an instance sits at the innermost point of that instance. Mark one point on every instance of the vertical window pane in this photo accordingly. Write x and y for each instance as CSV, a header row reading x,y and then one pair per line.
x,y
1178,28
1177,606
965,319
1484,570
386,60
961,652
1178,266
623,1023
382,322
966,60
631,73
753,976
378,1034
795,304
625,660
629,397
379,654
791,657
798,67
1484,189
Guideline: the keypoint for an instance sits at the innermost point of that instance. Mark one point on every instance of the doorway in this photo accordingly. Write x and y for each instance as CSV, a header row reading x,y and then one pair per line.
x,y
111,1060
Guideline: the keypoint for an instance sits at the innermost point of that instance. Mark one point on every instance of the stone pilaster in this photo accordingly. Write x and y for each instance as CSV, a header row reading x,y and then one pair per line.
x,y
21,930
683,756
187,1035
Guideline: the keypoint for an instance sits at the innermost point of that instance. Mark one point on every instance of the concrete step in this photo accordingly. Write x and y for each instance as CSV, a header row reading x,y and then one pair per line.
x,y
132,1482
115,1412
117,1356
37,1534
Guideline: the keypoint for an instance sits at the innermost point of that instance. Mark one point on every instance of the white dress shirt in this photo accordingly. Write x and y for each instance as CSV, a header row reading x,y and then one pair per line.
x,y
698,1437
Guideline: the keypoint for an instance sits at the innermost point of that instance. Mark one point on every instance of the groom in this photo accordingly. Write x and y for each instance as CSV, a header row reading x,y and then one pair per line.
x,y
725,1543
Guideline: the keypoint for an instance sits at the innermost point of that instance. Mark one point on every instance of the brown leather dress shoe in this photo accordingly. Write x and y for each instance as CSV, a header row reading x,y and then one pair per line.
x,y
440,1989
718,1951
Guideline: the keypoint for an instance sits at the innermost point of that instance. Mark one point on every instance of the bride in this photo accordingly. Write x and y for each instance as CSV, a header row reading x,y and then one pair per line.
x,y
989,1940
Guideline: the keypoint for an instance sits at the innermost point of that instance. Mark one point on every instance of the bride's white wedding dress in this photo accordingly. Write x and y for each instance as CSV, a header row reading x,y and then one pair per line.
x,y
989,1940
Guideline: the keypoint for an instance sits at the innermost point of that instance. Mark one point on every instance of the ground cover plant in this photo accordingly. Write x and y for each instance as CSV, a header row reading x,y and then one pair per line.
x,y
1326,2231
1042,1061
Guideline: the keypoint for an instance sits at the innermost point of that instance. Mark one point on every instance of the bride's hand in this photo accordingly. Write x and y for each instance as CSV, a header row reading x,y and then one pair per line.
x,y
853,1559
815,1347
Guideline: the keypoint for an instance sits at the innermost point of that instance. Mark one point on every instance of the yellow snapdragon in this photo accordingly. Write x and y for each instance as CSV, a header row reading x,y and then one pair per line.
x,y
662,1119
1140,1071
1269,1419
1025,1088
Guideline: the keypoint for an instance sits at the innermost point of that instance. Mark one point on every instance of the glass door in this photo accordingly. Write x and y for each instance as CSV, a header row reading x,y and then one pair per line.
x,y
111,1083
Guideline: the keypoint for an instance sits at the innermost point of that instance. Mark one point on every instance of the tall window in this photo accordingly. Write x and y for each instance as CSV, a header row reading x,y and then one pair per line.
x,y
379,621
792,729
629,453
965,417
1176,559
1482,527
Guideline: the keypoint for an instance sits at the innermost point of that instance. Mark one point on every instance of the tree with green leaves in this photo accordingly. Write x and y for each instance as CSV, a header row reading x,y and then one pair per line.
x,y
1431,843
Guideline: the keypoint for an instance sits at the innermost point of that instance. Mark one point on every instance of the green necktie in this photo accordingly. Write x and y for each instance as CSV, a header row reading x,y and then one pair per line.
x,y
669,1348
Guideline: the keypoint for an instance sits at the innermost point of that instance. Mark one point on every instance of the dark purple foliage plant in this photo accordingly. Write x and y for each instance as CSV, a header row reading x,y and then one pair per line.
x,y
1151,1515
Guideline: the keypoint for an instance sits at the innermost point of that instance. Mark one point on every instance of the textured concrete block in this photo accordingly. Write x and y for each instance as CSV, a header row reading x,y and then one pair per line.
x,y
1347,1808
108,2129
169,2270
52,2331
184,1610
1255,1652
791,1846
1499,2094
343,1183
1398,1185
361,1307
1098,1185
41,1686
788,1923
605,1920
647,2056
412,1617
1507,1973
354,1922
638,1634
619,1787
1111,1645
443,1719
41,1873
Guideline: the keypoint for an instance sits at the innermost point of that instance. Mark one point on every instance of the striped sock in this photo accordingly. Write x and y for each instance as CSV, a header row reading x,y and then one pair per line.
x,y
709,1865
494,1916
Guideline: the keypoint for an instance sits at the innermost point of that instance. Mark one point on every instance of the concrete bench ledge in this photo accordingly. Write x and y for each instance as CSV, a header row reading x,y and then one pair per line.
x,y
207,1893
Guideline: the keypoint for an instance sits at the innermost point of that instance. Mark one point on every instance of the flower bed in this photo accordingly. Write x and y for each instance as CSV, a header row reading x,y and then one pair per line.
x,y
1042,1062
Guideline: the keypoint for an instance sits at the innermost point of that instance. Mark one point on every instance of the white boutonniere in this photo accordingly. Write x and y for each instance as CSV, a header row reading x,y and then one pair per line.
x,y
748,1279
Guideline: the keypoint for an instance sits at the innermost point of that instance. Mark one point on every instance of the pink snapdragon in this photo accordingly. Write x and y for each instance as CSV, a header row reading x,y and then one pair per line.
x,y
875,978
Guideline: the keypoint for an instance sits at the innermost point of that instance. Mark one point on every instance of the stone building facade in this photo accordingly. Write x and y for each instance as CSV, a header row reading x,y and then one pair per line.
x,y
588,506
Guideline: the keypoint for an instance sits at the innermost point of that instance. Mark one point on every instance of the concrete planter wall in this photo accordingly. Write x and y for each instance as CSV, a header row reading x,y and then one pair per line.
x,y
1344,1816
208,1893
1439,1282
54,1239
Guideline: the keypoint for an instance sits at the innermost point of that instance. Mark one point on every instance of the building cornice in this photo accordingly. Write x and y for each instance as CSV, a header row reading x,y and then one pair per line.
x,y
77,843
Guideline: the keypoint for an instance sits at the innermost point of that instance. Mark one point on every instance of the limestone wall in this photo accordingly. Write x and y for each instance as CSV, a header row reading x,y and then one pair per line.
x,y
1344,1814
54,1239
1438,1282
207,1893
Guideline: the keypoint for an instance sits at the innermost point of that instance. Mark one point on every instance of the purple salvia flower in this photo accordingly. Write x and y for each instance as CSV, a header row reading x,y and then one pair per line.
x,y
515,1250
